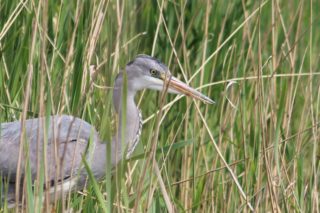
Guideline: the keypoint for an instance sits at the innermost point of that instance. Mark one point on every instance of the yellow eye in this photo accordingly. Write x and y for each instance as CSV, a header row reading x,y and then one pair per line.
x,y
153,72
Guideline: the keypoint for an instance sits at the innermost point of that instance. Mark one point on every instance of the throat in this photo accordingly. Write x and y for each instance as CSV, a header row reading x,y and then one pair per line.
x,y
133,143
133,128
133,125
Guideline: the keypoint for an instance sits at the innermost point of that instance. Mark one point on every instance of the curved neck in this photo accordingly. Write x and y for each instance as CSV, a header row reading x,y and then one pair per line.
x,y
132,125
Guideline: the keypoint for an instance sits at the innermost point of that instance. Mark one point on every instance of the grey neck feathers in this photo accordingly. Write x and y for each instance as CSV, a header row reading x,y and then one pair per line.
x,y
133,125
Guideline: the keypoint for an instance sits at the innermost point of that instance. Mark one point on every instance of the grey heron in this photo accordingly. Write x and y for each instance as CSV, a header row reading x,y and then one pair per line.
x,y
68,137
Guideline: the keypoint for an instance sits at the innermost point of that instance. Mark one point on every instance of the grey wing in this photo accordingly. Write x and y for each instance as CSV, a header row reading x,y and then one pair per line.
x,y
67,140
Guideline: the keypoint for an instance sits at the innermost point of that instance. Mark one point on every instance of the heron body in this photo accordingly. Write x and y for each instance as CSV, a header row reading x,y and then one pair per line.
x,y
68,138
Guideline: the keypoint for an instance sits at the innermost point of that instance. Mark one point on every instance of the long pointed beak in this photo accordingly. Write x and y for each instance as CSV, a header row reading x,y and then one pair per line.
x,y
182,88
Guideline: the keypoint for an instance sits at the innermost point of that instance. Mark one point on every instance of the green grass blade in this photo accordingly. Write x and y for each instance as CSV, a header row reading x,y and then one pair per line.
x,y
101,201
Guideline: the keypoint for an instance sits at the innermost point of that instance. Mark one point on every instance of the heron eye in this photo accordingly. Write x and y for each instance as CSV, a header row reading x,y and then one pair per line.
x,y
154,73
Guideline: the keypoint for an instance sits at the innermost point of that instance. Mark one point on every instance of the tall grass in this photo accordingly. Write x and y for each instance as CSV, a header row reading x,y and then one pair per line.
x,y
257,148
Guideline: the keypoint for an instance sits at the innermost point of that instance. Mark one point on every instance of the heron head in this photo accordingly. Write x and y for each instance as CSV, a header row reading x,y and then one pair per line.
x,y
146,72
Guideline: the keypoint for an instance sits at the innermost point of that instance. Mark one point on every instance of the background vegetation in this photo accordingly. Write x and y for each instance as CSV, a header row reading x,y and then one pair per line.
x,y
257,148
